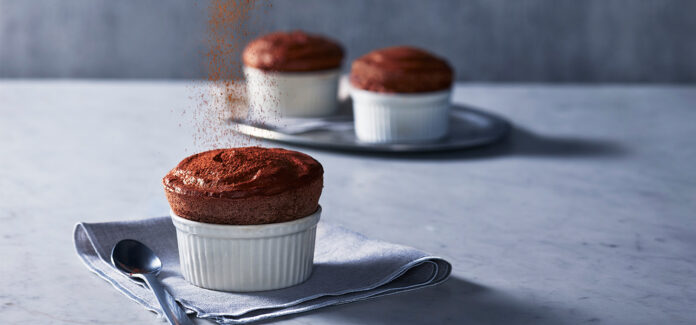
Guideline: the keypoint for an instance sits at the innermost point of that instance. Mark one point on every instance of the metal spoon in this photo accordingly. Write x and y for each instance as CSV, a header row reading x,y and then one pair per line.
x,y
137,260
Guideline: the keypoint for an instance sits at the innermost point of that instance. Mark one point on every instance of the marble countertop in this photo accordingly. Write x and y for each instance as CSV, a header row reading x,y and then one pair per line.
x,y
586,214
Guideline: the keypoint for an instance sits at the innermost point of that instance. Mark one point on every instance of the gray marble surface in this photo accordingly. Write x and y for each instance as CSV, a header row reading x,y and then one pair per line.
x,y
586,214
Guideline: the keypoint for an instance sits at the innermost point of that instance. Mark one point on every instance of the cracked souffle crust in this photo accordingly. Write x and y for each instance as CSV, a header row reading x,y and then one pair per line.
x,y
294,51
401,69
250,185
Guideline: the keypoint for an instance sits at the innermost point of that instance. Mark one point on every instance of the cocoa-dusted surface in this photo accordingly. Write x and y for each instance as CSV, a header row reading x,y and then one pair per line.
x,y
294,51
243,186
401,69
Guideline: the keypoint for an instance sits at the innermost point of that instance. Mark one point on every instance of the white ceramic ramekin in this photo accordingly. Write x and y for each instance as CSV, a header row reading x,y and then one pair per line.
x,y
394,118
274,95
246,257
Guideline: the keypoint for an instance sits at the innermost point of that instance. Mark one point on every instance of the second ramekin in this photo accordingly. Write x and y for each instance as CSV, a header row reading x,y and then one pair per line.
x,y
274,95
394,118
246,257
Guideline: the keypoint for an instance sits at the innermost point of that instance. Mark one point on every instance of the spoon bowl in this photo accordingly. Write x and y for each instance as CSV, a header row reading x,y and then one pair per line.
x,y
139,261
133,257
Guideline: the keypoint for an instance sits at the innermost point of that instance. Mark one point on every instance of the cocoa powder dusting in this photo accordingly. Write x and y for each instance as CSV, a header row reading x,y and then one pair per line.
x,y
242,172
230,25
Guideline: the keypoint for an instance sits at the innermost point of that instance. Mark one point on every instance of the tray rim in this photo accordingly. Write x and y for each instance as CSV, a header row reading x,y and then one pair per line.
x,y
501,126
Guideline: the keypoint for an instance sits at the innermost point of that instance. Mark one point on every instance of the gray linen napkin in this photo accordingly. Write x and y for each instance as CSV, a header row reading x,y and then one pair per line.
x,y
347,267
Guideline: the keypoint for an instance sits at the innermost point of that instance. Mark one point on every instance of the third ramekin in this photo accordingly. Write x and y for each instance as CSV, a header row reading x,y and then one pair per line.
x,y
394,118
246,258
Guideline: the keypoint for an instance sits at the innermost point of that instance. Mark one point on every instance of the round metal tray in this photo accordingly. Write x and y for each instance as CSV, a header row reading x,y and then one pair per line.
x,y
468,128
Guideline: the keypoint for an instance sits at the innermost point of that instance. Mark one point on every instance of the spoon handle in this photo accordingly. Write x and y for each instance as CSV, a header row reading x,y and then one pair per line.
x,y
175,314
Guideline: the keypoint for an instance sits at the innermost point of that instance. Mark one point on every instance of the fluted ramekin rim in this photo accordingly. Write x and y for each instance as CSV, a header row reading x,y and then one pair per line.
x,y
246,231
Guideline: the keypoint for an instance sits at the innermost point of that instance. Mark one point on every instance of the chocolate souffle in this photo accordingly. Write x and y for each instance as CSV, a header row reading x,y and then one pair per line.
x,y
401,69
245,186
294,51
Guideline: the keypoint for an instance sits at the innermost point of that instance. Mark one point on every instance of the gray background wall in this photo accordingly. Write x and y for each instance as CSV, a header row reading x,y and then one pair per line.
x,y
486,40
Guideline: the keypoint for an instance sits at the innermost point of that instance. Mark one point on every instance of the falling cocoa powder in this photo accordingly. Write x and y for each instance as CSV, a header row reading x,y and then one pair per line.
x,y
222,96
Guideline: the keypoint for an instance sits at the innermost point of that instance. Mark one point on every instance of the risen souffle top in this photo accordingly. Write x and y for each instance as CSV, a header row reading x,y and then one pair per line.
x,y
294,51
245,186
401,69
